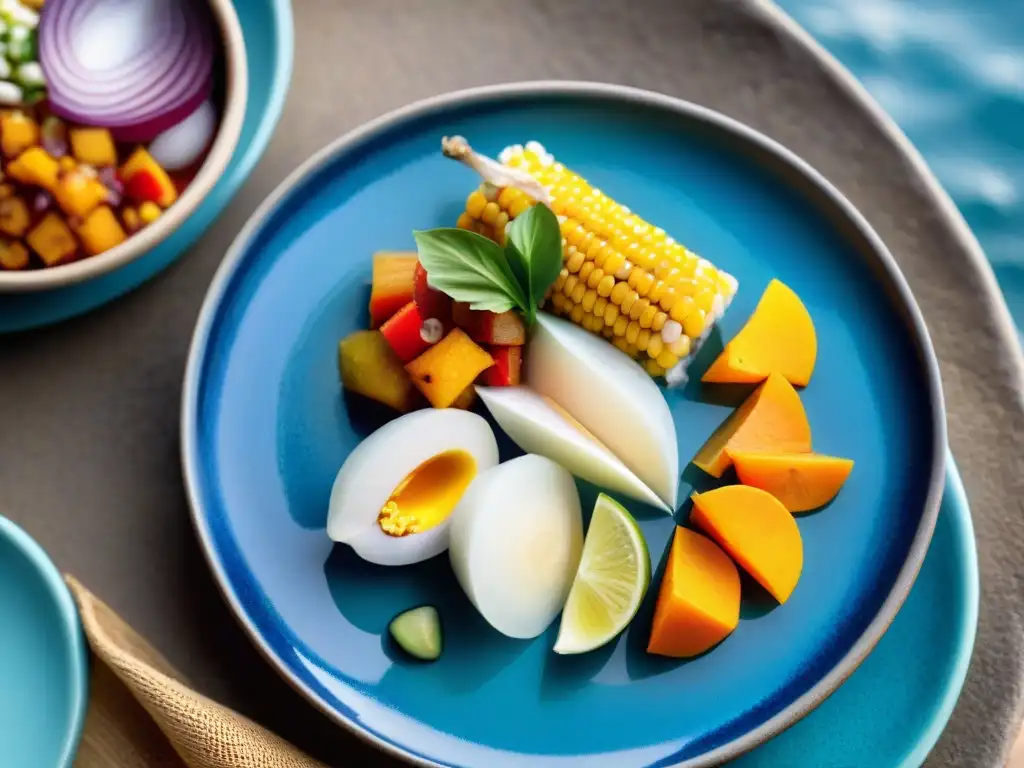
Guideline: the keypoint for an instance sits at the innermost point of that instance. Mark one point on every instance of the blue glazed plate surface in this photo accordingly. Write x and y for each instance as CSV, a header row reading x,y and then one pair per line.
x,y
43,660
267,26
265,429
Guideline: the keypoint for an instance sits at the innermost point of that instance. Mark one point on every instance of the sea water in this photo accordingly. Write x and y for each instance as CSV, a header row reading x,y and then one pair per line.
x,y
951,74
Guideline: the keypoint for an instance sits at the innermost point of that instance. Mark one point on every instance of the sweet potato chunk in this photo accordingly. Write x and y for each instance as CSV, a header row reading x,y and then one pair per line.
x,y
758,533
771,419
801,481
699,599
449,367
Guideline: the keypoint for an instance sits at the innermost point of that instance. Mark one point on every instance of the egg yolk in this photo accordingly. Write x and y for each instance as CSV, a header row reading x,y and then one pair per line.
x,y
428,494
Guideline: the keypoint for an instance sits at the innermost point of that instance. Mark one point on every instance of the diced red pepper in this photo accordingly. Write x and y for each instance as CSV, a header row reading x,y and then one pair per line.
x,y
431,302
143,187
504,329
405,333
507,368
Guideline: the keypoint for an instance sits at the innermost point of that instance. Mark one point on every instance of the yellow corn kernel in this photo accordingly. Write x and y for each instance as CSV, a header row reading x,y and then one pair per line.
x,y
657,291
632,351
621,343
621,324
659,321
586,241
578,291
570,285
634,277
644,283
652,367
642,339
560,280
604,288
600,305
628,302
614,263
575,262
585,270
693,325
705,300
506,196
607,333
632,331
619,291
667,360
588,300
683,308
577,314
668,298
149,212
475,203
638,308
611,314
595,278
647,316
680,347
490,214
500,223
518,206
655,345
557,302
465,221
131,219
595,247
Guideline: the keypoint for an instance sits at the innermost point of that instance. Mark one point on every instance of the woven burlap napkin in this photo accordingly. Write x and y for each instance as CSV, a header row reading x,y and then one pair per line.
x,y
143,714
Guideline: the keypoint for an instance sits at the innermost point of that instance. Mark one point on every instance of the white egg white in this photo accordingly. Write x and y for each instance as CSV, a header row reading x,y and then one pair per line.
x,y
610,395
538,426
516,541
379,463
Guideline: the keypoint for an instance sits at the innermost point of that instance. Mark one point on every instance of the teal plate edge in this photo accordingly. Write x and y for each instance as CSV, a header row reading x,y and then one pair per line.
x,y
856,725
771,152
269,40
73,640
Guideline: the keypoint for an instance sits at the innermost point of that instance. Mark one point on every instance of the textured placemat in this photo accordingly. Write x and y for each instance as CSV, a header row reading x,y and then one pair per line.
x,y
89,409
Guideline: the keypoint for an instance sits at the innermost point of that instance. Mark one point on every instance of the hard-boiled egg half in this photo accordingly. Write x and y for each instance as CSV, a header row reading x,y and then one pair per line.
x,y
516,541
393,498
593,410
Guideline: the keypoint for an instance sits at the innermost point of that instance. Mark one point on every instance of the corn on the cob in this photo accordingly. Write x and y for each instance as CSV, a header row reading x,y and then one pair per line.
x,y
622,277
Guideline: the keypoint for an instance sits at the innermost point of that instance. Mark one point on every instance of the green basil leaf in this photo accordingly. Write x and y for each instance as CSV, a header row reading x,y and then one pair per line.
x,y
470,268
521,270
538,238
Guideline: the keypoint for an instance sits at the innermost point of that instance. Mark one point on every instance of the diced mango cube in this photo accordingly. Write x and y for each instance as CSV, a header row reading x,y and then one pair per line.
x,y
13,255
14,216
78,194
52,239
447,368
145,179
18,132
93,146
35,166
101,231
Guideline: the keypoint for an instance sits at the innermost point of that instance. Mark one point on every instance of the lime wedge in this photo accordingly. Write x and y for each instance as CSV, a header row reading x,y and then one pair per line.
x,y
613,576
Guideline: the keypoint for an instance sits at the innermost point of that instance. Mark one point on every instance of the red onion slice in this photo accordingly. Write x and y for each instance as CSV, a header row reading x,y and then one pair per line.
x,y
136,67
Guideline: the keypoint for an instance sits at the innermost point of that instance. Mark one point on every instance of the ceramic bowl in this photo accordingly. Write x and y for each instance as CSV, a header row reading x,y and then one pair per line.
x,y
232,117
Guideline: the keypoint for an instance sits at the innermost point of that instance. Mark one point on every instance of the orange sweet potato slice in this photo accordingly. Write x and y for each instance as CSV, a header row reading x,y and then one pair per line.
x,y
772,419
779,337
444,371
758,533
801,481
699,598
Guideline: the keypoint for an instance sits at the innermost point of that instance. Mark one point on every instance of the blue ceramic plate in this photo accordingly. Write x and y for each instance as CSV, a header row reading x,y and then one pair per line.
x,y
267,26
43,661
265,429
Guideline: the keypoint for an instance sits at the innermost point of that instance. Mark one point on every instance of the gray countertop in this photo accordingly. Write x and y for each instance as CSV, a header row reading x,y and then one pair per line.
x,y
89,444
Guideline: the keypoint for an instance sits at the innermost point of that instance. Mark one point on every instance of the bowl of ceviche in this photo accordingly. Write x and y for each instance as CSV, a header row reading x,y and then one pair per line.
x,y
115,121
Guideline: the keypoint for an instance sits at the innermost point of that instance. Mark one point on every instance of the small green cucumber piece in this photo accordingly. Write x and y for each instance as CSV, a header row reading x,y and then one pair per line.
x,y
418,632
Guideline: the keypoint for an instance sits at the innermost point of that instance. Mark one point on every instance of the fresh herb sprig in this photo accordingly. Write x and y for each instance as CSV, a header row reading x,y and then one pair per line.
x,y
473,269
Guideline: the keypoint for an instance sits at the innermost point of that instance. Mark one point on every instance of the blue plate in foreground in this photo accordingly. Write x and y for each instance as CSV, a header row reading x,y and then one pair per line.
x,y
43,661
267,27
265,429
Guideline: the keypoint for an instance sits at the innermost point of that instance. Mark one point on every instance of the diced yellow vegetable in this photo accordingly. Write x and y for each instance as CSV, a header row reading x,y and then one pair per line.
x,y
14,216
93,146
447,368
101,231
149,212
67,163
35,166
78,194
52,240
18,132
132,220
13,255
145,179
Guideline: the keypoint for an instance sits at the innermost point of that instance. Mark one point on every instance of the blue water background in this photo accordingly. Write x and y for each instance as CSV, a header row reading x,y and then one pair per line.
x,y
951,73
